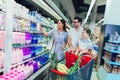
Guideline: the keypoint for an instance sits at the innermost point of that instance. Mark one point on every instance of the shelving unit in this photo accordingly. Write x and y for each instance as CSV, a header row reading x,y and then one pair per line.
x,y
112,51
14,65
110,62
39,71
103,75
10,16
10,28
110,69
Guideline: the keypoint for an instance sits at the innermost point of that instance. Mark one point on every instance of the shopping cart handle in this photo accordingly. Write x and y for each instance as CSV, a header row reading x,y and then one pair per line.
x,y
57,72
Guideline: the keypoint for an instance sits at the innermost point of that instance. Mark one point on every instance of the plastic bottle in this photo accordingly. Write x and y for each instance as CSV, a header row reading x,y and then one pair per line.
x,y
14,56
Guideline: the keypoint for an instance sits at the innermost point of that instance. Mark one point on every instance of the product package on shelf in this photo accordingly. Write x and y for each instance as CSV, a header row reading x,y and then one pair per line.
x,y
23,71
43,59
3,5
112,47
33,26
116,70
114,38
28,37
108,67
17,55
18,39
34,64
21,10
107,55
1,59
2,39
26,53
2,21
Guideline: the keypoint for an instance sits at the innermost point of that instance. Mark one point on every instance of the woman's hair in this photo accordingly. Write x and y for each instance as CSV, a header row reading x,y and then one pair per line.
x,y
64,25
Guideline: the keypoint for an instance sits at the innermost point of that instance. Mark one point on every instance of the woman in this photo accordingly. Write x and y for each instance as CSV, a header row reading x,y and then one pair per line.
x,y
59,39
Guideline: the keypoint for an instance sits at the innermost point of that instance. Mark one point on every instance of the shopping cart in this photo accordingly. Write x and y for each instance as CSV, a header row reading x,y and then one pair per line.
x,y
83,73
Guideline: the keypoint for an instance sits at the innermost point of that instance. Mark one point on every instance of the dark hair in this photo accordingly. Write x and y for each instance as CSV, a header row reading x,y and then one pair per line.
x,y
88,31
64,25
79,19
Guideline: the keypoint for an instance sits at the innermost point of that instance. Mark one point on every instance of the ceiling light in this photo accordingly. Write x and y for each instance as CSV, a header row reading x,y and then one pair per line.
x,y
43,5
99,21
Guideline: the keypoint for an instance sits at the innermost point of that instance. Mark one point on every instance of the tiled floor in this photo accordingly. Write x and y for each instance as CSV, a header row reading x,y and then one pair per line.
x,y
94,75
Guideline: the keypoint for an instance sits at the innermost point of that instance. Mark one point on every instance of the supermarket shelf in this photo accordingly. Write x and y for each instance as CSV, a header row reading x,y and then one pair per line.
x,y
116,42
110,62
44,24
14,65
20,17
28,19
45,45
2,12
22,46
2,29
24,31
25,18
39,71
27,31
117,52
103,75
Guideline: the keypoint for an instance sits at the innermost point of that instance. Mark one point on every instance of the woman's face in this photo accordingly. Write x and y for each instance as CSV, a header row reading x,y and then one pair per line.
x,y
60,25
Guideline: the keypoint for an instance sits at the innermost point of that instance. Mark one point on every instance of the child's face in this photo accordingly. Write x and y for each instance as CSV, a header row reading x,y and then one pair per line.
x,y
84,34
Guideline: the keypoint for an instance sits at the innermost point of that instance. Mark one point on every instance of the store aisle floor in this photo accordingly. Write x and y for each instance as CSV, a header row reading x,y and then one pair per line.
x,y
94,75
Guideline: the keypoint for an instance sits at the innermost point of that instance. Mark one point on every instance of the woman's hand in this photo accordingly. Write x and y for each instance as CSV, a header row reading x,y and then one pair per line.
x,y
62,48
40,28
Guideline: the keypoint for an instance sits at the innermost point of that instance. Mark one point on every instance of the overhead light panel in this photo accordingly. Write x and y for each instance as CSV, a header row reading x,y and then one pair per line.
x,y
99,21
89,11
43,5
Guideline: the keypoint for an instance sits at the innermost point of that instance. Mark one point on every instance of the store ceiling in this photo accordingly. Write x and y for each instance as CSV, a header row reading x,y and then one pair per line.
x,y
71,8
83,6
80,8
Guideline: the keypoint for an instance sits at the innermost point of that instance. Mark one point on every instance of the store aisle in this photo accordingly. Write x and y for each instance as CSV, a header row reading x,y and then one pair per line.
x,y
94,75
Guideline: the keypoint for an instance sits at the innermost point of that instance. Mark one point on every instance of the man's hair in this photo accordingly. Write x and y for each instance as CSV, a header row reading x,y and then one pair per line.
x,y
88,31
79,19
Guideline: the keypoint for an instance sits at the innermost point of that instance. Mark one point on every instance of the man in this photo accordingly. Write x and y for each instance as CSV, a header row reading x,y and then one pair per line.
x,y
75,33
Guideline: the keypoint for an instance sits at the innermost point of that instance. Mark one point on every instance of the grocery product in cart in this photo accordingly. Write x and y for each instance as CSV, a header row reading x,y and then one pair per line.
x,y
74,72
72,57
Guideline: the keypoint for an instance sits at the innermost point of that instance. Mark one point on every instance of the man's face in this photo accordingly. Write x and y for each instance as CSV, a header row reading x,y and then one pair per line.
x,y
76,23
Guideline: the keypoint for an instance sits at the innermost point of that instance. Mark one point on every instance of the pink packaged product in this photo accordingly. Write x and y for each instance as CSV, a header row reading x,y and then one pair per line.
x,y
1,58
19,55
2,39
2,21
14,56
